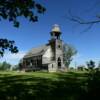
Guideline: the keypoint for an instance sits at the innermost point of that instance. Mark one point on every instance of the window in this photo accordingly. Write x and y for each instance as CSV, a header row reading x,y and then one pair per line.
x,y
59,46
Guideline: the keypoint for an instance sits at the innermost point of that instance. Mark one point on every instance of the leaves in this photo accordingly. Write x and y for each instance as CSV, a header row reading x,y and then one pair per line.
x,y
69,52
5,66
91,64
16,24
7,45
12,9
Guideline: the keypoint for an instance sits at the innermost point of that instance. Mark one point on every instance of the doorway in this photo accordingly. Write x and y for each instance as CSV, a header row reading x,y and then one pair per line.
x,y
59,62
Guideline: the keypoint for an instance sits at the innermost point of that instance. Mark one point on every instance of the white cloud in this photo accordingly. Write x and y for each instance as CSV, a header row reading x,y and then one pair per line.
x,y
13,58
77,56
77,60
81,59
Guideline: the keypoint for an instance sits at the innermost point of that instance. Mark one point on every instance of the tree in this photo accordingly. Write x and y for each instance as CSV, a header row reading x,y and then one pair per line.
x,y
69,52
5,66
81,67
11,10
16,67
91,65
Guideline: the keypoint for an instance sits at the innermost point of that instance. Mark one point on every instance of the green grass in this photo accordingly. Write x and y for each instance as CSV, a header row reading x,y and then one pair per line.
x,y
41,85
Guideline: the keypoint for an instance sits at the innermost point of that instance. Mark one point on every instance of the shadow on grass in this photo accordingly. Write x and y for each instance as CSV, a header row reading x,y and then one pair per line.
x,y
70,86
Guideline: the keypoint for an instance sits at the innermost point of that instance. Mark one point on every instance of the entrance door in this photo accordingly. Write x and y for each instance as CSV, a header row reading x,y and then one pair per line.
x,y
59,63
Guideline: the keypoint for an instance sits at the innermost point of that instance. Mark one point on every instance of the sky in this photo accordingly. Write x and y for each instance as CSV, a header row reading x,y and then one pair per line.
x,y
30,35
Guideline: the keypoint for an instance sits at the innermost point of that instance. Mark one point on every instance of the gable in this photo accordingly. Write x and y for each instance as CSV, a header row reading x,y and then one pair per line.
x,y
48,53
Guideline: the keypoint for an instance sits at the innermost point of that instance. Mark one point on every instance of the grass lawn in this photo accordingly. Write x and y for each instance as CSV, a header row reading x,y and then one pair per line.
x,y
41,85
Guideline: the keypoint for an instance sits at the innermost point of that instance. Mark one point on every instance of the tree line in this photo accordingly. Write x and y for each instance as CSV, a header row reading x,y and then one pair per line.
x,y
5,66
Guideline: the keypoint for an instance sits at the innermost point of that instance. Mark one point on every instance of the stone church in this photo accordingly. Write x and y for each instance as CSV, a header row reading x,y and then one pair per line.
x,y
47,57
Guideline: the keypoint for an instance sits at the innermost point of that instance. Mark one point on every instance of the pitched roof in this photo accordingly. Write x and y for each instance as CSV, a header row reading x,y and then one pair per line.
x,y
36,51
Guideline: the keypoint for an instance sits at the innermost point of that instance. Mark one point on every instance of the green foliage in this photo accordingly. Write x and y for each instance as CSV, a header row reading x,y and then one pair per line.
x,y
93,85
16,67
11,10
71,69
81,68
6,44
91,65
5,66
69,52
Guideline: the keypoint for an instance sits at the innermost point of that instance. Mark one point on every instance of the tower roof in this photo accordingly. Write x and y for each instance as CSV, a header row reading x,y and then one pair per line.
x,y
55,28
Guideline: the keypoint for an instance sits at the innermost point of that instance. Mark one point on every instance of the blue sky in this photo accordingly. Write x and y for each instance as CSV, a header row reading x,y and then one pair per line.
x,y
30,35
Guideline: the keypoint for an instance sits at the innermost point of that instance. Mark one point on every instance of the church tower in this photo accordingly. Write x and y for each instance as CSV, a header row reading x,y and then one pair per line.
x,y
56,47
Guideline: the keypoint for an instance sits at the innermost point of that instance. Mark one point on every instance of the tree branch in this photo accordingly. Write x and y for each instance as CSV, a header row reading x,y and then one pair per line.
x,y
78,20
82,21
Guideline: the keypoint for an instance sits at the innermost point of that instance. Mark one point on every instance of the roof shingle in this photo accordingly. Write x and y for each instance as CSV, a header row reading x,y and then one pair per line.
x,y
36,51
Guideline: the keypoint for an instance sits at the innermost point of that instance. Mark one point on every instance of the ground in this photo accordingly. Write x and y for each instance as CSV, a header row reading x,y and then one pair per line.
x,y
42,86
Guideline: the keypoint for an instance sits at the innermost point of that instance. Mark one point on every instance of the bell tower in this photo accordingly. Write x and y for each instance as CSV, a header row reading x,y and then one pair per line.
x,y
55,32
57,47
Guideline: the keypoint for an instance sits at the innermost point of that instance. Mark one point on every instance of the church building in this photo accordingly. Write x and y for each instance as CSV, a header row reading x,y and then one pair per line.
x,y
48,57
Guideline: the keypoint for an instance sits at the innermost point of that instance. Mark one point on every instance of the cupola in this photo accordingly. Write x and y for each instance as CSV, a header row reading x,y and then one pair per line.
x,y
55,32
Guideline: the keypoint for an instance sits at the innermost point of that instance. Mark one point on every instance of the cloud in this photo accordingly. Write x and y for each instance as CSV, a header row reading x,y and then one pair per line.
x,y
77,56
13,58
77,60
81,59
